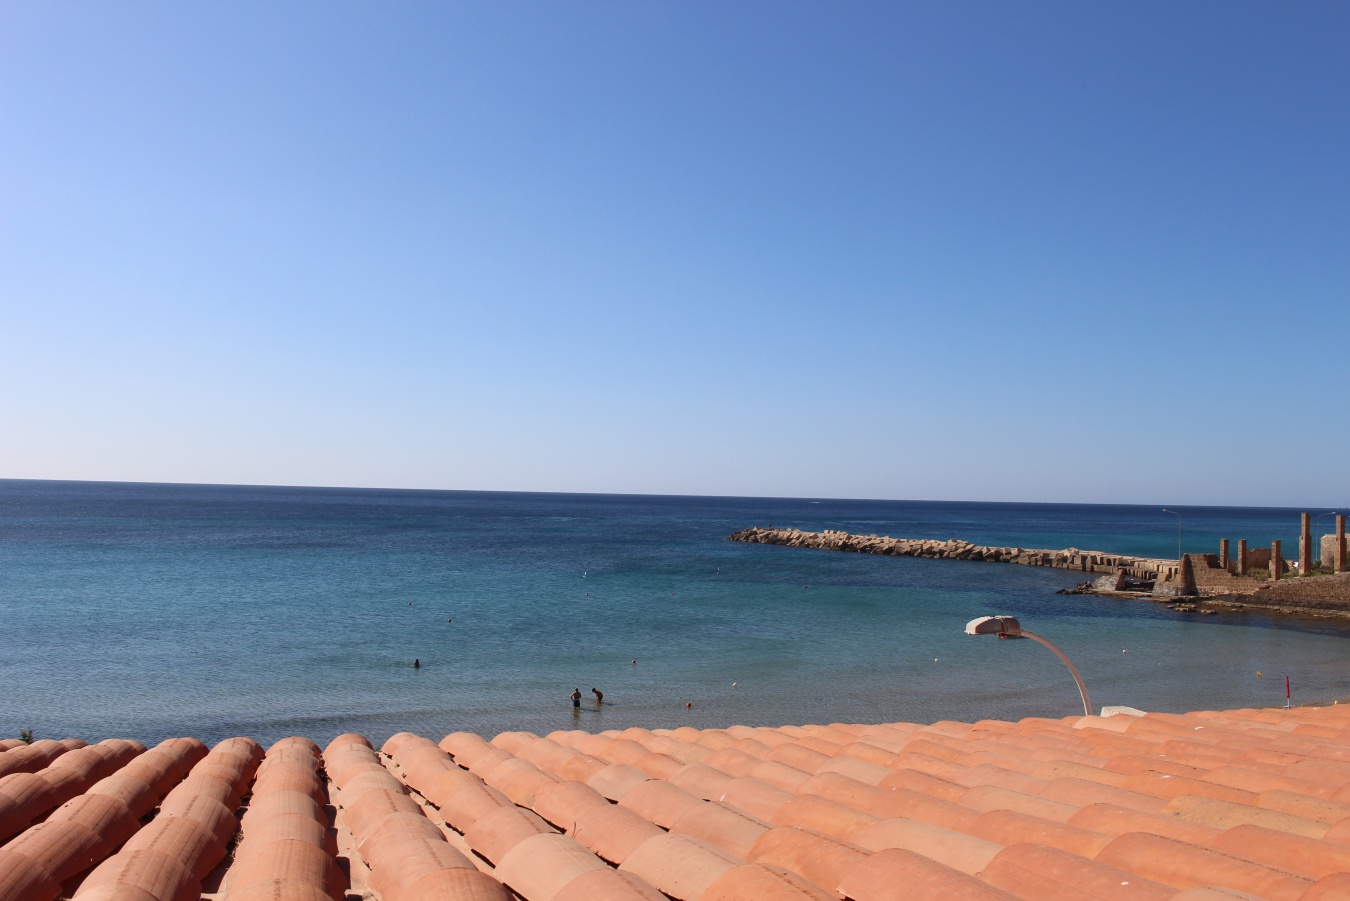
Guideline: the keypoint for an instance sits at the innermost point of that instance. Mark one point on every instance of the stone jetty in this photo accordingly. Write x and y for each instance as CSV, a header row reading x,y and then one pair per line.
x,y
1143,569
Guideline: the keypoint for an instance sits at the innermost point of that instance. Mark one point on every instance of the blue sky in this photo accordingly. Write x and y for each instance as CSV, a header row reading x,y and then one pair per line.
x,y
984,251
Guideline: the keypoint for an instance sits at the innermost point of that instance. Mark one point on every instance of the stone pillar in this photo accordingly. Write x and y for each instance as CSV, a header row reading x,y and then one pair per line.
x,y
1340,543
1223,555
1187,578
1242,556
1305,554
1275,560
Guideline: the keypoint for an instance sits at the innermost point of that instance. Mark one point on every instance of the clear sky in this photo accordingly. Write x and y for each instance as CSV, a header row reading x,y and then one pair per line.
x,y
982,251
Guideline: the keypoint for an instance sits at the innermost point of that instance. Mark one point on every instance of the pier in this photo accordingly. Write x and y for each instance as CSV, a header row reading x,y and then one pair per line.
x,y
1142,569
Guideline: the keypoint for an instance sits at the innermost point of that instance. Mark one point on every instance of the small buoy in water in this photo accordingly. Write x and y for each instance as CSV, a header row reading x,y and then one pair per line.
x,y
1258,675
1123,651
689,706
733,684
935,660
634,663
588,594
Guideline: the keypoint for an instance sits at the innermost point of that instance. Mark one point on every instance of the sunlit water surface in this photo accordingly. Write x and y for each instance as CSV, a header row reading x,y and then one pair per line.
x,y
147,611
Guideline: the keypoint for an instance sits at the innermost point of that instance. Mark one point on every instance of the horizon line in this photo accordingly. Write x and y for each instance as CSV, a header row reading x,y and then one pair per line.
x,y
784,497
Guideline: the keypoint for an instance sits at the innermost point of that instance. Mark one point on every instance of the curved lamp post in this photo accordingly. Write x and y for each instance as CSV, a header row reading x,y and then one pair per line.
x,y
1178,516
1318,524
1009,627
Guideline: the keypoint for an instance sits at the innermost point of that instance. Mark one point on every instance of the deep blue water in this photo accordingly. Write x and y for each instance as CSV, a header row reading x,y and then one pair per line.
x,y
153,610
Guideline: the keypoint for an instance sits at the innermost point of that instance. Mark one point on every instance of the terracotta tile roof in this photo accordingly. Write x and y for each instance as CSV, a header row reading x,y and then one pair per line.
x,y
1204,806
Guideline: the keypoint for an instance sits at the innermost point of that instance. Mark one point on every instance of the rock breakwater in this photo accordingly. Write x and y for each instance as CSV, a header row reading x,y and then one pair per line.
x,y
1144,569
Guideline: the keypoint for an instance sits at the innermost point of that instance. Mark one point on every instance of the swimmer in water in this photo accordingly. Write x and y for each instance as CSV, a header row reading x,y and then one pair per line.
x,y
576,697
599,696
417,663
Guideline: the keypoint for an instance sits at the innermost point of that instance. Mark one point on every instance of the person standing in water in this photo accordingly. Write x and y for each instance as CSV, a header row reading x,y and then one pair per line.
x,y
599,696
576,697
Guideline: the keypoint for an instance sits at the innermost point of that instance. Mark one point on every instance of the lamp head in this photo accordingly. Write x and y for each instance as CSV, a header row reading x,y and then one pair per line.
x,y
994,625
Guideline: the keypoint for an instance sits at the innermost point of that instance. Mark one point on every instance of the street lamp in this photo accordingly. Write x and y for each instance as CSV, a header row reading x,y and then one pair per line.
x,y
1317,519
1178,516
1009,627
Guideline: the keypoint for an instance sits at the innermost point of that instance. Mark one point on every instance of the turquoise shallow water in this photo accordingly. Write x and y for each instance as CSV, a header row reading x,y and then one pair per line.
x,y
154,610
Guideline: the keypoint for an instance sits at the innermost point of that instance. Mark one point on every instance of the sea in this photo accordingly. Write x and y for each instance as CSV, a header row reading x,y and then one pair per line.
x,y
146,611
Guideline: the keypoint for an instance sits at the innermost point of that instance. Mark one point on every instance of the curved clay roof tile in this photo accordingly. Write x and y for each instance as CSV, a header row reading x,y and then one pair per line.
x,y
387,834
612,832
185,840
732,761
1280,850
819,858
407,863
608,885
282,803
759,799
659,802
494,834
683,868
23,880
159,875
465,806
764,883
284,862
1040,872
345,740
1112,819
727,828
615,780
876,878
1009,827
560,803
540,867
822,815
214,815
961,852
291,777
1187,866
460,885
285,826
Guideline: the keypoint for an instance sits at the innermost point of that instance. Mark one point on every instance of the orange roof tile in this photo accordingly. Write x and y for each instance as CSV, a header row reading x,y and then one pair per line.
x,y
1202,806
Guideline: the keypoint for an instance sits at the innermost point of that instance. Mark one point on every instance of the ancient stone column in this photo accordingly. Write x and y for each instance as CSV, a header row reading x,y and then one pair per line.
x,y
1223,555
1275,560
1242,556
1305,554
1340,543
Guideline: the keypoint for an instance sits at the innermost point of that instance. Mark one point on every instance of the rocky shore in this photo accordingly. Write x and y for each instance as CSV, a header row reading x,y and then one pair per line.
x,y
1116,574
1143,569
